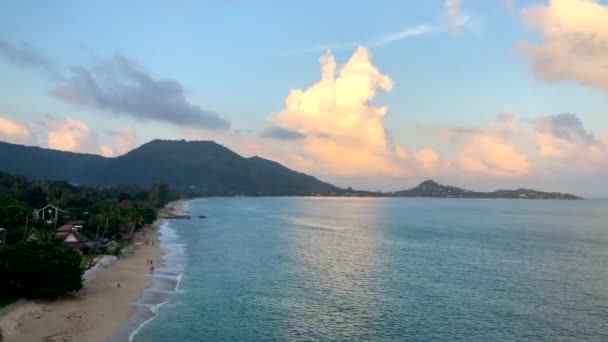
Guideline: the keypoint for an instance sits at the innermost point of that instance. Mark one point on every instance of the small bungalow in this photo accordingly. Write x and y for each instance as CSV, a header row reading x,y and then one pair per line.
x,y
50,213
72,238
112,244
113,248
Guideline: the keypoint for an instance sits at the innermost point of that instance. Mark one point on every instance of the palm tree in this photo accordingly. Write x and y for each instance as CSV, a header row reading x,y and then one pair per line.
x,y
135,218
27,225
55,194
107,214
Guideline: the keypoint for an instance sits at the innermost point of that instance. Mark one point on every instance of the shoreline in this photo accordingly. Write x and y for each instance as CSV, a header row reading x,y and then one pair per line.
x,y
96,313
147,306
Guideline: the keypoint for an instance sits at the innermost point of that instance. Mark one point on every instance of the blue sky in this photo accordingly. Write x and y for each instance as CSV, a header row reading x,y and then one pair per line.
x,y
241,59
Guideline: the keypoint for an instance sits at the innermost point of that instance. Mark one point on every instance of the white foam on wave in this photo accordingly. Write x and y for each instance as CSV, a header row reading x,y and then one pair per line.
x,y
154,309
166,279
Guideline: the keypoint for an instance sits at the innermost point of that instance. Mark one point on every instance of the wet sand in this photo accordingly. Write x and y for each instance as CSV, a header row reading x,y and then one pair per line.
x,y
96,312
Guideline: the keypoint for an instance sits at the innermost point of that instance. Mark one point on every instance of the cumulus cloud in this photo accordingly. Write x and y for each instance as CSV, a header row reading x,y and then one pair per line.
x,y
122,87
342,133
123,139
495,150
491,155
15,132
71,135
23,55
510,147
574,43
563,137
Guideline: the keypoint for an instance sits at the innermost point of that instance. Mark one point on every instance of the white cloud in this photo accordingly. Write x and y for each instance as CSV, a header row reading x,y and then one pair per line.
x,y
574,43
342,133
385,39
394,37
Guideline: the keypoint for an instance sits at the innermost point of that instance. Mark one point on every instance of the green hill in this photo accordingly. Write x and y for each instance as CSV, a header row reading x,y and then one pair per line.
x,y
202,167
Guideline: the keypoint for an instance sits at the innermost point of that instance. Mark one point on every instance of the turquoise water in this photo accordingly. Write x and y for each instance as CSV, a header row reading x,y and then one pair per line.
x,y
335,269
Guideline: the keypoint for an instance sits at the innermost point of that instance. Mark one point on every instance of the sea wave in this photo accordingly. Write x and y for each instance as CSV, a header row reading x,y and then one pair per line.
x,y
166,280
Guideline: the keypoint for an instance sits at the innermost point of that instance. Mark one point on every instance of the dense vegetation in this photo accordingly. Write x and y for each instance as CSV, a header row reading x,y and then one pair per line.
x,y
44,267
39,269
198,167
110,212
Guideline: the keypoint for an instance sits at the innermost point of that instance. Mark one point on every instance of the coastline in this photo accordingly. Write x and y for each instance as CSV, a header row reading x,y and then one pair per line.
x,y
100,309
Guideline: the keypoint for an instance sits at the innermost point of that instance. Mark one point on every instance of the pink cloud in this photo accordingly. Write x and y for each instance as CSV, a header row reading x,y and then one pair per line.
x,y
564,139
72,135
574,41
16,132
492,156
123,140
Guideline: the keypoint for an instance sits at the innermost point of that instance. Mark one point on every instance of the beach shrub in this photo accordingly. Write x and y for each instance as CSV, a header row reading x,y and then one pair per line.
x,y
40,269
115,251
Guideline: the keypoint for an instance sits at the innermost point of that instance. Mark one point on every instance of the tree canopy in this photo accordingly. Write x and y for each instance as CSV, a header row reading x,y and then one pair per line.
x,y
39,269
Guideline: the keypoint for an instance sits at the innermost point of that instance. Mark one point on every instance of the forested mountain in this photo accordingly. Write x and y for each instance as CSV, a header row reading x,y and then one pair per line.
x,y
202,167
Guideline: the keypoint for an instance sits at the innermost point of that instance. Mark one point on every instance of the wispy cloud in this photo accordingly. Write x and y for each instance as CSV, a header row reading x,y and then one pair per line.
x,y
457,20
394,37
23,55
385,39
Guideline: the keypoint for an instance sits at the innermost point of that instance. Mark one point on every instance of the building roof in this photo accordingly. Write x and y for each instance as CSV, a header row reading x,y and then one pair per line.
x,y
112,244
51,206
77,237
77,223
66,228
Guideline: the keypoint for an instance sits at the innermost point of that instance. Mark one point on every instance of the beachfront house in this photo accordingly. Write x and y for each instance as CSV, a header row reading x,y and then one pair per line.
x,y
49,214
71,237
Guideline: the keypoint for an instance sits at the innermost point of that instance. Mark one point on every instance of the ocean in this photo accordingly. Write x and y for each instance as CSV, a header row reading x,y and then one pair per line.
x,y
380,269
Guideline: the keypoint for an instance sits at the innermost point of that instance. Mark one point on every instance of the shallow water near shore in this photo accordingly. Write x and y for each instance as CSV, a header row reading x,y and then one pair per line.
x,y
165,283
331,269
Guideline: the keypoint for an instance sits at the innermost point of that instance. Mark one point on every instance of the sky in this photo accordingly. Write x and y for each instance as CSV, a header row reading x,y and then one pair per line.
x,y
377,95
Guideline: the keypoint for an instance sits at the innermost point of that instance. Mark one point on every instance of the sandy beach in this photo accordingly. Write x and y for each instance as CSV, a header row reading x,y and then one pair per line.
x,y
99,309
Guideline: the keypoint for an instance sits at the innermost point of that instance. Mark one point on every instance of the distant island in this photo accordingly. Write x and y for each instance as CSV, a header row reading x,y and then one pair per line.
x,y
205,168
431,188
